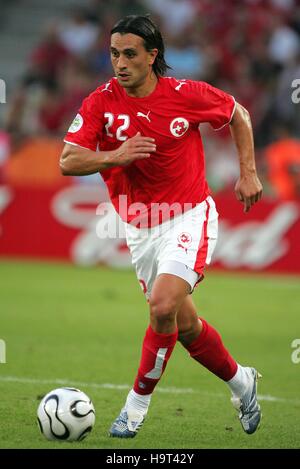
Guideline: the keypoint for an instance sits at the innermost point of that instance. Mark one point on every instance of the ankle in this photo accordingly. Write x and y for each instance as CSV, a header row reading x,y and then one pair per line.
x,y
240,382
138,402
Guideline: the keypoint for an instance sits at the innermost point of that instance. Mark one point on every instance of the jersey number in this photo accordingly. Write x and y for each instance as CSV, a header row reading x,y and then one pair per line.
x,y
124,126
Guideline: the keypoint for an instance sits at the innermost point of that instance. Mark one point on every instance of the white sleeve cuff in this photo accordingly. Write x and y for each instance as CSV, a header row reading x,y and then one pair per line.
x,y
234,106
76,145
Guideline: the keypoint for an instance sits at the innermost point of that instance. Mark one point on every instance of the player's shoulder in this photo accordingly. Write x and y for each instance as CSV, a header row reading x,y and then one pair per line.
x,y
191,90
183,86
108,88
103,91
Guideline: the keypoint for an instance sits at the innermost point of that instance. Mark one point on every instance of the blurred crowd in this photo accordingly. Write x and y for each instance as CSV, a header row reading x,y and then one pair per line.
x,y
249,48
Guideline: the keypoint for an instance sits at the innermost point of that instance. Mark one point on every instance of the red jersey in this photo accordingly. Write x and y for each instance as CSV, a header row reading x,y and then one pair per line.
x,y
171,114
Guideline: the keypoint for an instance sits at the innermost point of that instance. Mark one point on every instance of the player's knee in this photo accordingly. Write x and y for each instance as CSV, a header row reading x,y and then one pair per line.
x,y
188,330
162,309
186,327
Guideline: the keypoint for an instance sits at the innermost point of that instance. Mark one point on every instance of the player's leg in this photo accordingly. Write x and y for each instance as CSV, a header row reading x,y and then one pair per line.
x,y
166,255
188,322
205,345
167,295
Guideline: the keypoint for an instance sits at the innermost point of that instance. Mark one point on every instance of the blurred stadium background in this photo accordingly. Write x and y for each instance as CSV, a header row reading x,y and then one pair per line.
x,y
52,54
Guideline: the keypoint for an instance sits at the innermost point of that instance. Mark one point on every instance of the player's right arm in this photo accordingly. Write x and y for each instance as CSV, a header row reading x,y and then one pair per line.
x,y
79,161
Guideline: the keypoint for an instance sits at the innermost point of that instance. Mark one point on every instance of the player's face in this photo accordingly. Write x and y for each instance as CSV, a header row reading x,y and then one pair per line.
x,y
131,62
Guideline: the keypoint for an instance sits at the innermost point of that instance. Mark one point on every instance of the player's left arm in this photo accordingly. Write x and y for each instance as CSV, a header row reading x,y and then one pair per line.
x,y
248,188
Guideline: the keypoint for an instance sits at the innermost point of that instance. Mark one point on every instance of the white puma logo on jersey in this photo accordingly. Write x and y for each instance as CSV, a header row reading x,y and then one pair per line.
x,y
140,114
107,85
180,85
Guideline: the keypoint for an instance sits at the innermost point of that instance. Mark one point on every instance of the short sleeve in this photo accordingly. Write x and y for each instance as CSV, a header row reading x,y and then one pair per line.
x,y
86,128
210,104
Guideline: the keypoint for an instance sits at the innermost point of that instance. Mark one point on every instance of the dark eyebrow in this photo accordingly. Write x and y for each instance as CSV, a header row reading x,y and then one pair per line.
x,y
129,50
125,51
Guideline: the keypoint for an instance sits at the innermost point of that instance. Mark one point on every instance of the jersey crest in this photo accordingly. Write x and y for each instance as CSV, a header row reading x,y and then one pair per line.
x,y
184,240
179,126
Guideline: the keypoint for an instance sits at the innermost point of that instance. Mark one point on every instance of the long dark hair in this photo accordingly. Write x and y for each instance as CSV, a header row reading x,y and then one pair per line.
x,y
144,27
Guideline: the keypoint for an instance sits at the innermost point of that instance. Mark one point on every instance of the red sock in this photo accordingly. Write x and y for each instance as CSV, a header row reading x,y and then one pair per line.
x,y
156,351
208,349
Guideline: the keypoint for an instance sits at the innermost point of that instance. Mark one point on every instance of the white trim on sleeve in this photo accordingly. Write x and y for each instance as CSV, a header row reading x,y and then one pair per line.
x,y
222,126
76,145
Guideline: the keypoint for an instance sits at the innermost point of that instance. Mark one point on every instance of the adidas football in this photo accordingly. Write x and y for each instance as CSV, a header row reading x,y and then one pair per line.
x,y
66,414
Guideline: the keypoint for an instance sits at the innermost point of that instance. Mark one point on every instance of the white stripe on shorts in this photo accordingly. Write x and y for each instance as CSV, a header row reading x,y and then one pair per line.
x,y
180,270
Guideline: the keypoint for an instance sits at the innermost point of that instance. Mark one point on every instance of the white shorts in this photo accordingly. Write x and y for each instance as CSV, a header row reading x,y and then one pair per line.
x,y
181,246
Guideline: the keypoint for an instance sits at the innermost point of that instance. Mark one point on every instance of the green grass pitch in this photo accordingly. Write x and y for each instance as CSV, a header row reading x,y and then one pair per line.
x,y
64,325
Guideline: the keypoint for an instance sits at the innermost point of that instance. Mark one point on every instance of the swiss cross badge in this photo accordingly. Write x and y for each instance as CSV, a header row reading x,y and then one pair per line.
x,y
184,240
179,126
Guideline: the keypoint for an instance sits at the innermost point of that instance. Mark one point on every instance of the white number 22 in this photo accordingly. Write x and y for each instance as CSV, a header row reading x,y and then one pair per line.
x,y
110,120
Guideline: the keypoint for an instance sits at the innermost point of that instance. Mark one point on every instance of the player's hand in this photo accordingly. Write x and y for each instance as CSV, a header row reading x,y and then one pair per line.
x,y
248,190
135,148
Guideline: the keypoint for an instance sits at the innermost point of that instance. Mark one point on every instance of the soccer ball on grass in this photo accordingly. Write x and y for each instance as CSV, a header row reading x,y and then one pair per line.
x,y
66,414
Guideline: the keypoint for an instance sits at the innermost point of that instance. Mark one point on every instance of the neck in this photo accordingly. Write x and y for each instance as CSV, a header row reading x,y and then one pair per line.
x,y
145,89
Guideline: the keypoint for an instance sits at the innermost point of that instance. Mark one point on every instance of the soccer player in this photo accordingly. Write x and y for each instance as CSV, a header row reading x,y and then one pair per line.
x,y
141,131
